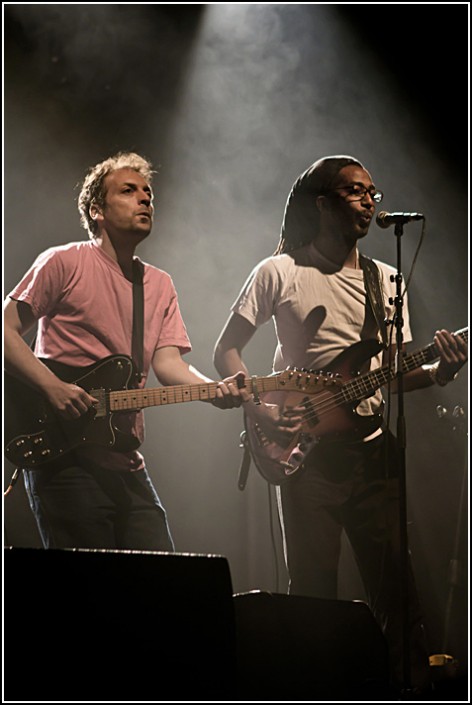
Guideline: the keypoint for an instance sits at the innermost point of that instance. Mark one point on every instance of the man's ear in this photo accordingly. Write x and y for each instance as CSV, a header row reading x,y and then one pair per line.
x,y
94,211
321,203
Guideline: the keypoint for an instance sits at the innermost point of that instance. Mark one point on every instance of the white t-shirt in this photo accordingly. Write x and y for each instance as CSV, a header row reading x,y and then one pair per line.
x,y
318,312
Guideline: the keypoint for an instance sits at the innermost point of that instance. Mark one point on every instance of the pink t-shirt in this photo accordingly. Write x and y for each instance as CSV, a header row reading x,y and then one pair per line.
x,y
84,307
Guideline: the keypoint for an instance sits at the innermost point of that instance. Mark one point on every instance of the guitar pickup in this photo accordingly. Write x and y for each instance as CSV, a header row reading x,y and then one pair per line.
x,y
99,409
261,437
311,417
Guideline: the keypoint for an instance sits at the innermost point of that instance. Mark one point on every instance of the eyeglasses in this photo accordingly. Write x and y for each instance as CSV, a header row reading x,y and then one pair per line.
x,y
356,192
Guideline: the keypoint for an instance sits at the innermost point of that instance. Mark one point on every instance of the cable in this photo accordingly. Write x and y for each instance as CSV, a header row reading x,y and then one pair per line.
x,y
13,480
272,537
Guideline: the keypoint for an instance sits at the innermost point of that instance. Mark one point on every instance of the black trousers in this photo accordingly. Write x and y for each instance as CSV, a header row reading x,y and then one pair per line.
x,y
354,487
80,505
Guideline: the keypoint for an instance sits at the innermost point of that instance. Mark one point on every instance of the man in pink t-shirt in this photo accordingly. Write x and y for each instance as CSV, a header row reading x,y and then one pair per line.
x,y
82,296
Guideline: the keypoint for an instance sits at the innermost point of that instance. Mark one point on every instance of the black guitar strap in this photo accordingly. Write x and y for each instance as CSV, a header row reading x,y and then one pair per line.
x,y
138,318
374,294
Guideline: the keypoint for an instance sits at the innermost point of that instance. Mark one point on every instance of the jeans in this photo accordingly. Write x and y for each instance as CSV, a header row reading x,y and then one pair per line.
x,y
79,505
353,487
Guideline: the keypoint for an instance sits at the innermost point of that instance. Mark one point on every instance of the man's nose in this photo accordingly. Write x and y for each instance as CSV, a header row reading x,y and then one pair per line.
x,y
145,198
368,196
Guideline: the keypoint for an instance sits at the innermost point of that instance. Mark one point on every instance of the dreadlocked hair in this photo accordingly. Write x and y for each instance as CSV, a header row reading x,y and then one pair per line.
x,y
301,217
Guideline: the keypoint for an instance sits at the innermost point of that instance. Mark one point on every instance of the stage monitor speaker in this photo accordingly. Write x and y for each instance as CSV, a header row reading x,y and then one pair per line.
x,y
99,625
303,648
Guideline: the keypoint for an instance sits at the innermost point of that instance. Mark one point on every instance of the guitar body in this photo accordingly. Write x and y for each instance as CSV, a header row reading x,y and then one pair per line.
x,y
111,381
49,435
328,417
329,398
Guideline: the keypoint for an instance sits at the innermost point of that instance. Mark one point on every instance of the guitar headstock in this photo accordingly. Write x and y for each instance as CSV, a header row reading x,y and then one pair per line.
x,y
464,334
307,381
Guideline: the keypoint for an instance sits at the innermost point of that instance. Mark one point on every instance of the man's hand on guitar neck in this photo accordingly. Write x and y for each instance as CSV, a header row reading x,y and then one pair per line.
x,y
229,395
453,355
280,425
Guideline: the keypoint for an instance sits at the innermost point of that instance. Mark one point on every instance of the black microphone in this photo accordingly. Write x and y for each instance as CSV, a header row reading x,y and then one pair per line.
x,y
385,219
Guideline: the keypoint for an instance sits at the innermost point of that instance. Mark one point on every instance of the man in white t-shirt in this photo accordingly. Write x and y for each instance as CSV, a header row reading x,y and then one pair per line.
x,y
98,493
314,290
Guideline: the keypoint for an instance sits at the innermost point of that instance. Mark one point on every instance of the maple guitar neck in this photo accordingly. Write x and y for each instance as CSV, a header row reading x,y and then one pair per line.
x,y
134,399
354,389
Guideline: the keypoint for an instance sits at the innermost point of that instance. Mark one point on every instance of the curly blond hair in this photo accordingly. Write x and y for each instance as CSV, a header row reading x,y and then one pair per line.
x,y
93,190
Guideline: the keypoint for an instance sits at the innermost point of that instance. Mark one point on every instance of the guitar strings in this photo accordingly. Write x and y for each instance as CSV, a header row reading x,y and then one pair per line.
x,y
168,395
410,362
330,402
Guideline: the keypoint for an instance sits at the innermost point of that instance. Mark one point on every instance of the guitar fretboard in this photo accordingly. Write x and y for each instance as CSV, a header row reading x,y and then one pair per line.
x,y
134,399
363,386
355,389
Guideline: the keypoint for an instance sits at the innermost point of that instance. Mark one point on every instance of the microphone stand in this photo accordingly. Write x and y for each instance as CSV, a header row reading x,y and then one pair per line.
x,y
458,424
454,574
401,438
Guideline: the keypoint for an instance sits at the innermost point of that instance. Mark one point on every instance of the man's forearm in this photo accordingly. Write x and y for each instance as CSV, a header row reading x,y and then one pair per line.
x,y
228,362
21,362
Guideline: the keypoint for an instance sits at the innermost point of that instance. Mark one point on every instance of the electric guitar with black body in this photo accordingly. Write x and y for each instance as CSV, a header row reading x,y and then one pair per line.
x,y
35,433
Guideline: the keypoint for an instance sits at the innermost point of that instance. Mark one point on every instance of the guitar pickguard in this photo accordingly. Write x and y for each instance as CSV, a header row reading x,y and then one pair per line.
x,y
49,435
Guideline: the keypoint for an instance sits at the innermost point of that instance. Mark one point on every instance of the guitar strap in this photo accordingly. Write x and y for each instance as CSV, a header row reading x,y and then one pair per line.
x,y
138,318
137,337
245,462
374,294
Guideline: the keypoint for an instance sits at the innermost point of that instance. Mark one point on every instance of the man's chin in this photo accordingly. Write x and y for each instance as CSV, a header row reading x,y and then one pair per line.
x,y
362,231
142,233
